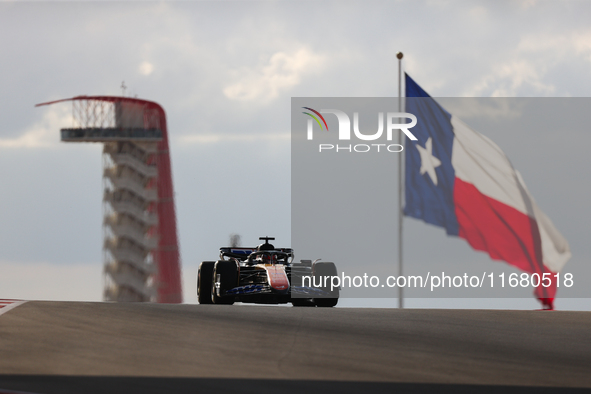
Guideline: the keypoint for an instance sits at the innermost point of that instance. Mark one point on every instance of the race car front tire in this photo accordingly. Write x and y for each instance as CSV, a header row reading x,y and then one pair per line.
x,y
324,269
204,283
226,272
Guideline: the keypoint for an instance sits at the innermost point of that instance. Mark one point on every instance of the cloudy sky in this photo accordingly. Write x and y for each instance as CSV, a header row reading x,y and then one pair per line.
x,y
225,72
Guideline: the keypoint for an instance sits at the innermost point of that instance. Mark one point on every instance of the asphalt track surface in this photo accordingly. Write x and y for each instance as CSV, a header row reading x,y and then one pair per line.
x,y
66,347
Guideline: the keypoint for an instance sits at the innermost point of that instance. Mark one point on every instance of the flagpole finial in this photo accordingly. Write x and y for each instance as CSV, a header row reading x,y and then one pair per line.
x,y
399,55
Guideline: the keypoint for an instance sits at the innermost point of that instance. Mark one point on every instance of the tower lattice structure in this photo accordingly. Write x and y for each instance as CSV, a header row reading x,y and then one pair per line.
x,y
141,254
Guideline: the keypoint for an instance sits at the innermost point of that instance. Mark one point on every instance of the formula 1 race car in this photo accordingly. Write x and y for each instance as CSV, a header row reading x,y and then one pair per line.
x,y
265,275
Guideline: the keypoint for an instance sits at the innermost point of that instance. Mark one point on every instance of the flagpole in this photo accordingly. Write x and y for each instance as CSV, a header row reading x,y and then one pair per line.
x,y
399,55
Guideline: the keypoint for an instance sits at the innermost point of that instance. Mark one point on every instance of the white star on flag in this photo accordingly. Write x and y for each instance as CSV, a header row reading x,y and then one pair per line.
x,y
428,161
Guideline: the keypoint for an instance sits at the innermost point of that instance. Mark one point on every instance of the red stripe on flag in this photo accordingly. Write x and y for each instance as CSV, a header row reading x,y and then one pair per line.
x,y
502,231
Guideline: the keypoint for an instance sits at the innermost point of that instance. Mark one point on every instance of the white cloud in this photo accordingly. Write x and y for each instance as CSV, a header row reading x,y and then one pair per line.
x,y
478,13
525,4
507,78
45,133
581,42
527,66
146,68
283,71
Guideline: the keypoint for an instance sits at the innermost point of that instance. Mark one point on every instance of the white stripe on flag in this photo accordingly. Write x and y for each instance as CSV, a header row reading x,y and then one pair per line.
x,y
479,161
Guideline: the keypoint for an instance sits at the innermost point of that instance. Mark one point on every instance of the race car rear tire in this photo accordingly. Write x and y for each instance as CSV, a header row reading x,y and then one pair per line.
x,y
204,283
323,269
326,302
228,278
302,302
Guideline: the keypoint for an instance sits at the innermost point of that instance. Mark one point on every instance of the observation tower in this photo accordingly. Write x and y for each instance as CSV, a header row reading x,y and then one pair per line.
x,y
141,254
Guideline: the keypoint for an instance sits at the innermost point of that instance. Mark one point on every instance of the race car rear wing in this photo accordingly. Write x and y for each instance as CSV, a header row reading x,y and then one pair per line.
x,y
243,253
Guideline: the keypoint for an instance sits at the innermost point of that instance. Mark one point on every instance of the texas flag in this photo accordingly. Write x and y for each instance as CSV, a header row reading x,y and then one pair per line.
x,y
460,180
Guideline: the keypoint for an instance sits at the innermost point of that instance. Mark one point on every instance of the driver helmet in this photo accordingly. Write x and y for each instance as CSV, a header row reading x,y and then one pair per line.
x,y
265,246
269,258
